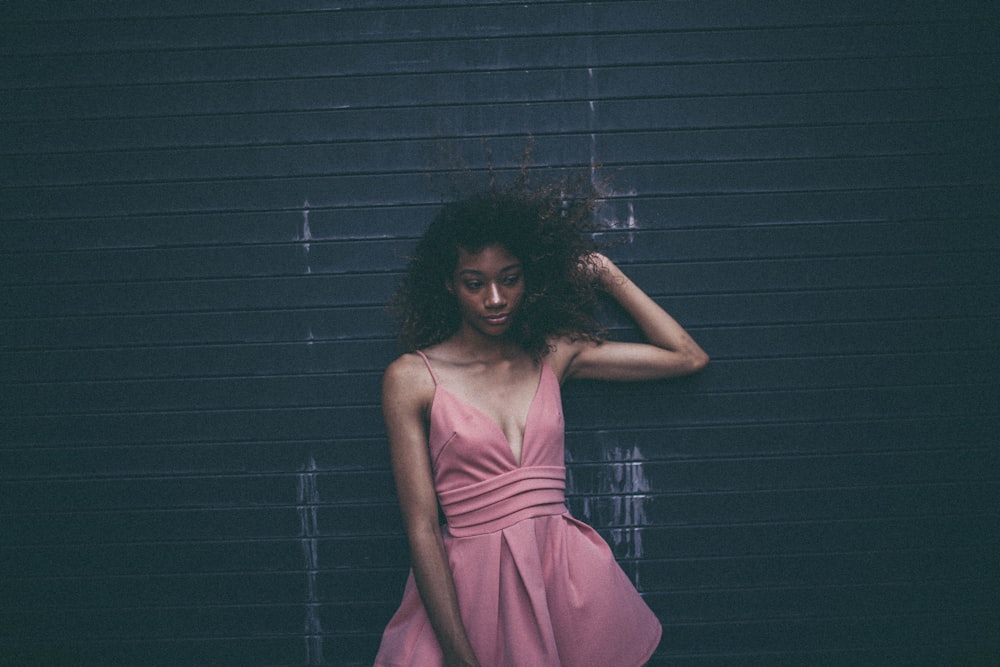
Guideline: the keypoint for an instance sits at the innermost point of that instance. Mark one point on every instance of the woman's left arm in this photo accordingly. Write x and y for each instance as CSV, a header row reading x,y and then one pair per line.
x,y
670,351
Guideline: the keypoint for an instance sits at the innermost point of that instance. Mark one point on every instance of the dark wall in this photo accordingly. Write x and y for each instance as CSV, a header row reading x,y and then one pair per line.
x,y
205,204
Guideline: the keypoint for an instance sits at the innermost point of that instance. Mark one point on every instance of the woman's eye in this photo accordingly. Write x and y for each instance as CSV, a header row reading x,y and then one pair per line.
x,y
473,285
511,280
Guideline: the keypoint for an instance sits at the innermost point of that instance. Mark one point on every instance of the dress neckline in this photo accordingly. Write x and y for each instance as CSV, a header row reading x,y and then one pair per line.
x,y
518,460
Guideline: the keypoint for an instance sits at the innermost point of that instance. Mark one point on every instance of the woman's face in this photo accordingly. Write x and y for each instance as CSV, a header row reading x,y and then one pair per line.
x,y
489,287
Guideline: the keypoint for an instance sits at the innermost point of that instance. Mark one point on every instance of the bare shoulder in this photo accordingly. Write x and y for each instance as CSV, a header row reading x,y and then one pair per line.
x,y
407,381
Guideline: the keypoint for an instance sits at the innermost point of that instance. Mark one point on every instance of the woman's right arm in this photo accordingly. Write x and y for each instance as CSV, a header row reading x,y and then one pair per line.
x,y
407,391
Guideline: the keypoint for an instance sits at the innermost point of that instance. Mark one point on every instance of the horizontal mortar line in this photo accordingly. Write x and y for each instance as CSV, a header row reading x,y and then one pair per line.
x,y
980,246
751,424
303,442
388,338
942,282
395,602
573,433
819,160
720,389
764,458
657,227
194,345
397,271
874,585
819,587
389,501
497,104
446,38
429,204
405,6
936,50
400,271
702,194
237,243
937,551
817,157
938,286
162,383
208,541
537,102
715,393
605,235
342,571
181,574
811,620
502,136
399,535
355,535
857,648
574,68
533,101
407,38
617,197
522,37
326,406
698,425
573,466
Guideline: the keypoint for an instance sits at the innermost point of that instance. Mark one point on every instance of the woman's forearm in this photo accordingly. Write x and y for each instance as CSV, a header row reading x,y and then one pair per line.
x,y
659,328
432,575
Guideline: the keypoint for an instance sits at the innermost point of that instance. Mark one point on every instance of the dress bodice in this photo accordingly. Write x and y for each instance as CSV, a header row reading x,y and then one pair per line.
x,y
479,482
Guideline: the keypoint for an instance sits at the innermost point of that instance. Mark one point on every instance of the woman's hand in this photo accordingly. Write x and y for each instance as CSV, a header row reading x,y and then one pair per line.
x,y
609,276
597,267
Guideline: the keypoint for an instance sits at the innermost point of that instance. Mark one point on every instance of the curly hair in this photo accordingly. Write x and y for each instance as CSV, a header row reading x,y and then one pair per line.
x,y
548,228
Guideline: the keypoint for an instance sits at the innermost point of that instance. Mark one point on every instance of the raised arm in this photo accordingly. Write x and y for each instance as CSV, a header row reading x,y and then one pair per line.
x,y
669,352
407,392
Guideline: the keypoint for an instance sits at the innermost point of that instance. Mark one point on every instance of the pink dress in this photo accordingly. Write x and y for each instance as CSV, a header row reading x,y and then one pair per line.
x,y
536,587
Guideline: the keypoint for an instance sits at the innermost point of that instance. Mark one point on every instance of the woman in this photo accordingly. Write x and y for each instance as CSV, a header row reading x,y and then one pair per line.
x,y
496,316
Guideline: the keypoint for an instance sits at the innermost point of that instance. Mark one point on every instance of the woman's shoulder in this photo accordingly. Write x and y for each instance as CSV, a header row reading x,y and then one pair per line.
x,y
408,374
407,362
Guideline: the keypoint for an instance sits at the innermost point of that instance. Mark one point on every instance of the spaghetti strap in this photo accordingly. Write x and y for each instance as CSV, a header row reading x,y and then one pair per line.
x,y
429,368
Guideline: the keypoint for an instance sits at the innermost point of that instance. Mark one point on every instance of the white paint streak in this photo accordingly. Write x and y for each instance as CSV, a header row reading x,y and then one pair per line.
x,y
621,479
630,488
306,235
308,504
605,211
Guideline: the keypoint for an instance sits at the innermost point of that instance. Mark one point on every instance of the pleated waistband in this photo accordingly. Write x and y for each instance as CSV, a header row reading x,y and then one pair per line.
x,y
502,501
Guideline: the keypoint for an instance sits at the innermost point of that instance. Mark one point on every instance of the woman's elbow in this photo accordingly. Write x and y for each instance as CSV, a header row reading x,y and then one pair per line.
x,y
697,361
680,365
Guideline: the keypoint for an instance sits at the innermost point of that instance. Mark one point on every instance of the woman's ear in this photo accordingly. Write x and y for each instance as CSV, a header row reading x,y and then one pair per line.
x,y
449,285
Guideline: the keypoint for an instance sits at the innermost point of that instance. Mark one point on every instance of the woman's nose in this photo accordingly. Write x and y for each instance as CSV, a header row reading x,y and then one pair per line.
x,y
494,297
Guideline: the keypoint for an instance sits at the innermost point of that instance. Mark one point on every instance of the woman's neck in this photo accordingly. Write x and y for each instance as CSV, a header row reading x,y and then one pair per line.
x,y
472,345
